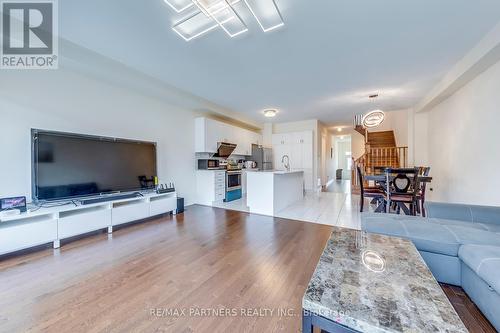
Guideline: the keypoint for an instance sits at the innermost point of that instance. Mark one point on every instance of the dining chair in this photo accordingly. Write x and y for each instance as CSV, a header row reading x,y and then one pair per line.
x,y
424,171
401,189
374,192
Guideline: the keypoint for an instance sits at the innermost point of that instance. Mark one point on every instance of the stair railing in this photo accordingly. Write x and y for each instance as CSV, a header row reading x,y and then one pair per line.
x,y
395,157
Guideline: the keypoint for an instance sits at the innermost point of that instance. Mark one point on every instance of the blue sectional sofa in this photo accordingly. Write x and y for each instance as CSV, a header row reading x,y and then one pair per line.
x,y
459,243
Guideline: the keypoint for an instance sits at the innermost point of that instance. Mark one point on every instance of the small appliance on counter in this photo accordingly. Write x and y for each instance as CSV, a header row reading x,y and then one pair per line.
x,y
263,157
233,165
250,165
209,164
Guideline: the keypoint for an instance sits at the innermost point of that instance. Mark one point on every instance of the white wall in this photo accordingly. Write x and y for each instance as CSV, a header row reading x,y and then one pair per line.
x,y
64,100
463,142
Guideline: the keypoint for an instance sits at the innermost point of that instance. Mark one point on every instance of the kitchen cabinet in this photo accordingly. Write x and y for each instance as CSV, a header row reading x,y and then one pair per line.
x,y
210,186
209,132
300,149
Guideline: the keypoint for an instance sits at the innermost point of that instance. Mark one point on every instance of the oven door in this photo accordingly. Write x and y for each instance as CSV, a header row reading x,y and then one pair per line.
x,y
233,181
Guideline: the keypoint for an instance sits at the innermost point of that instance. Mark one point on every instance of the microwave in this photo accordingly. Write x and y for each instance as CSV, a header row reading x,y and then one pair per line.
x,y
208,164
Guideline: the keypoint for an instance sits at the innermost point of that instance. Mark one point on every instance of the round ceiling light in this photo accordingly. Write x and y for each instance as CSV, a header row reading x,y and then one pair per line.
x,y
269,113
373,118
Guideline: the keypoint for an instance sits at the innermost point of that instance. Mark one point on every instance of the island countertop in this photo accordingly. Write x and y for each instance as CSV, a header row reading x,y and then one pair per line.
x,y
376,283
277,172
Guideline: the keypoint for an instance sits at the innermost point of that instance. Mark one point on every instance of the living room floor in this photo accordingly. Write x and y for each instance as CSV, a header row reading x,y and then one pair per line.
x,y
163,274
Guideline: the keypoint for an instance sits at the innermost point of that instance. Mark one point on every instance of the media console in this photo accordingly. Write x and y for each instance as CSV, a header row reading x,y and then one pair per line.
x,y
51,225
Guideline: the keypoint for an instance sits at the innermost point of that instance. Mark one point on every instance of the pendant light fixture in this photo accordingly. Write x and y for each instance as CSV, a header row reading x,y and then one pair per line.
x,y
373,118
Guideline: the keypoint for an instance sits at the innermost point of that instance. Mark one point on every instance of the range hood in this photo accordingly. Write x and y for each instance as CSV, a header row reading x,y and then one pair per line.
x,y
224,149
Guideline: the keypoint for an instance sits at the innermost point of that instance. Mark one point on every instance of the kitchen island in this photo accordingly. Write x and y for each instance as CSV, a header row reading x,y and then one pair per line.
x,y
269,192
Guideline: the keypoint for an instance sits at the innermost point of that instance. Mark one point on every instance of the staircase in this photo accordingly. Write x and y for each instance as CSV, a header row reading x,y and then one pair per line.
x,y
380,151
381,139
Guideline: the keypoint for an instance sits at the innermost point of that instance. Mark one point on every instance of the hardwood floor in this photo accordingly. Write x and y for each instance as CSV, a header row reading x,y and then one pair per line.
x,y
467,311
205,259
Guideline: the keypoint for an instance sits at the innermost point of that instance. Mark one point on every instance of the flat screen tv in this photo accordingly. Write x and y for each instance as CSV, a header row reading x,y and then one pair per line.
x,y
68,166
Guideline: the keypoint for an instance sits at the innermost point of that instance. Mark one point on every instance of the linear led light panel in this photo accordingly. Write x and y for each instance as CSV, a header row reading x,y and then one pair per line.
x,y
225,16
266,13
179,5
194,26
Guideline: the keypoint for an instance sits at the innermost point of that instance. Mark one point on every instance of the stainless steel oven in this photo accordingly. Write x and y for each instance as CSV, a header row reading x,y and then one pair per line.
x,y
233,185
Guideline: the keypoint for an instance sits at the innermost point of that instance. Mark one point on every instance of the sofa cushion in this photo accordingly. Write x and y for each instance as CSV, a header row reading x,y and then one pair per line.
x,y
435,237
467,235
484,261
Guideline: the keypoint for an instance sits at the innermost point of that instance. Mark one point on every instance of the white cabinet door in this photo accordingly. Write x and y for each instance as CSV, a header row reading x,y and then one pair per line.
x,y
307,155
307,137
247,144
279,152
214,133
278,139
297,138
296,156
255,138
238,138
282,139
209,132
227,133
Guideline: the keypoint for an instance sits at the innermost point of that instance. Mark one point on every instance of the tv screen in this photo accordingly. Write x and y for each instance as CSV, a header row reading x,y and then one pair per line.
x,y
67,166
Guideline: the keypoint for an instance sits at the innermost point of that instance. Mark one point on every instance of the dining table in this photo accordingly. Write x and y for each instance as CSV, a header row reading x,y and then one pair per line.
x,y
381,178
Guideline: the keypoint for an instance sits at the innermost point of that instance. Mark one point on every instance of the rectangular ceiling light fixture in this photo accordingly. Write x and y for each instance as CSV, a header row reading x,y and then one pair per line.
x,y
266,13
194,26
179,5
225,16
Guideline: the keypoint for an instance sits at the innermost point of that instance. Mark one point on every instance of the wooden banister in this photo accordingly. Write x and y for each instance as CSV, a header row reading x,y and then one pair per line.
x,y
395,157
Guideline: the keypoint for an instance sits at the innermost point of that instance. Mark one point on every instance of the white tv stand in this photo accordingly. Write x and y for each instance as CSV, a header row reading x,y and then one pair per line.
x,y
51,225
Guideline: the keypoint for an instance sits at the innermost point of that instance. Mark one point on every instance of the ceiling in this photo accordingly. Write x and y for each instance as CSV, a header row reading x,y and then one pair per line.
x,y
322,64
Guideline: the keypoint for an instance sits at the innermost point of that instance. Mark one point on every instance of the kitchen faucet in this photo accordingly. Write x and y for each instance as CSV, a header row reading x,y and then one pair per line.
x,y
287,163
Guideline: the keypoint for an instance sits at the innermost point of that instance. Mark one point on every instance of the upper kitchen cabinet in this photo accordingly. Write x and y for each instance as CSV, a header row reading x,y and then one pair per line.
x,y
209,132
299,147
305,137
283,139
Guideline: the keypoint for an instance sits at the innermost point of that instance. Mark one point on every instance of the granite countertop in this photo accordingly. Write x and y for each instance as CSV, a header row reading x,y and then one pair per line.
x,y
376,283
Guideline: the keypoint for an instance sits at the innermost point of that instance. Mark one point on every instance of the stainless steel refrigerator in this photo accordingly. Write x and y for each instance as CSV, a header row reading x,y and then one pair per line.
x,y
263,157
